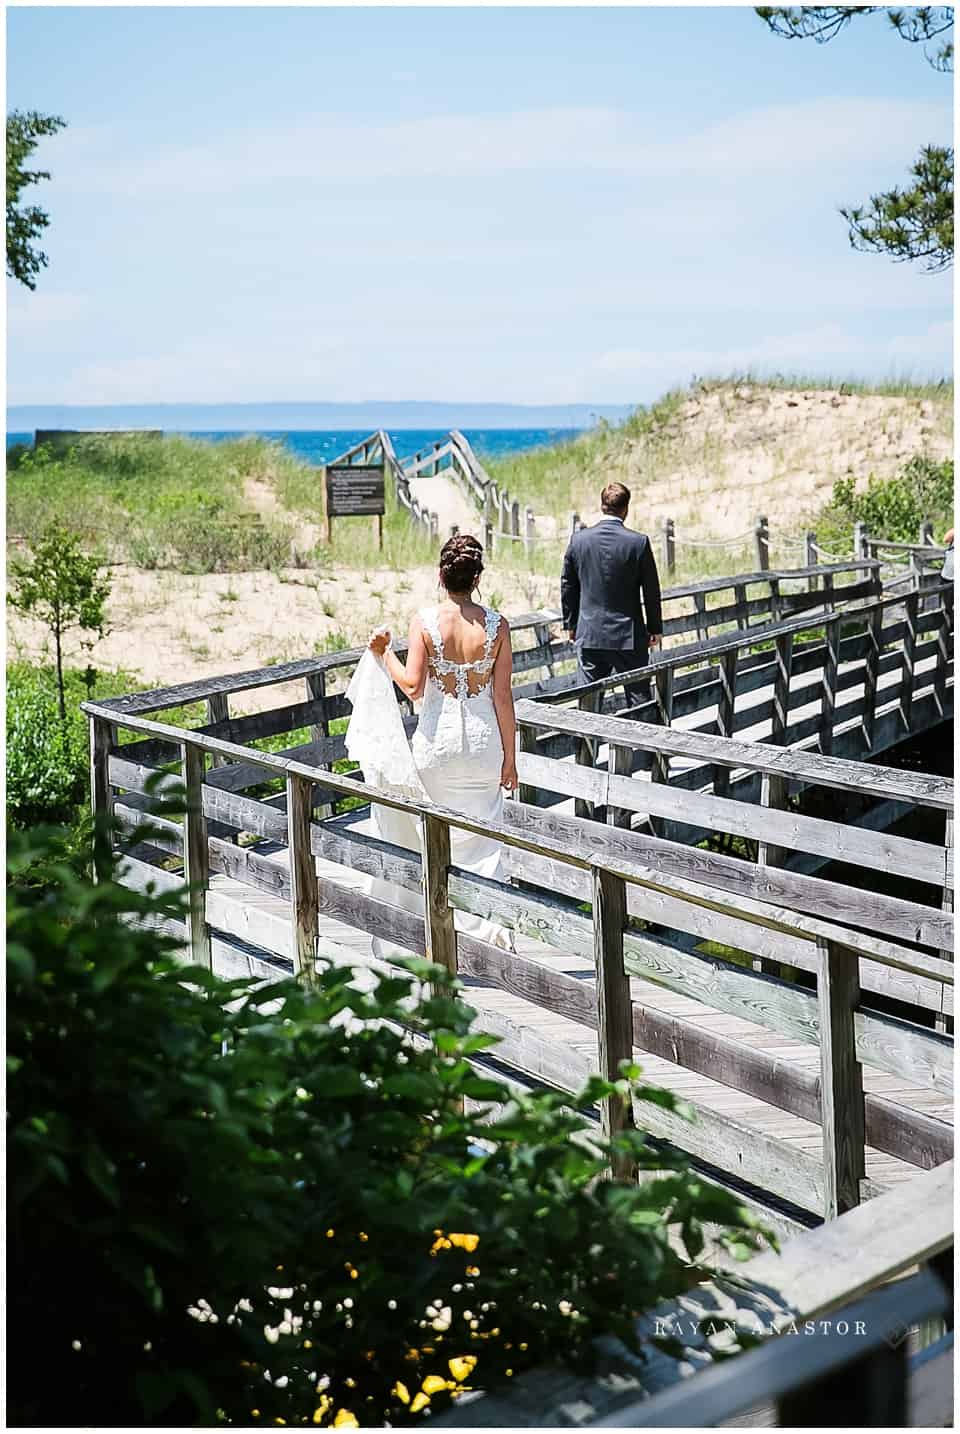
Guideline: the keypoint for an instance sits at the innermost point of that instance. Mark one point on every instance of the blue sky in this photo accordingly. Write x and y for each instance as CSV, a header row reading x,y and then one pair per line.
x,y
511,204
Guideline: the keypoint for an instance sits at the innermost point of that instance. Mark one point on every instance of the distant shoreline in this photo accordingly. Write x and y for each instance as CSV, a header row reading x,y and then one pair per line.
x,y
313,417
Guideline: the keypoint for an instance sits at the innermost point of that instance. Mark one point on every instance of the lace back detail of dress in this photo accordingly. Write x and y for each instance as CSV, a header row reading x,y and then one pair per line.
x,y
461,679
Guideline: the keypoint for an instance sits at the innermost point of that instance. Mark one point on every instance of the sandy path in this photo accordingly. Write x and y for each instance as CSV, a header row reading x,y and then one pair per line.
x,y
439,495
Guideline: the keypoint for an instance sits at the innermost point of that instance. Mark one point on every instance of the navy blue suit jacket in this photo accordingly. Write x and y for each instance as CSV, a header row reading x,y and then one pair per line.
x,y
610,589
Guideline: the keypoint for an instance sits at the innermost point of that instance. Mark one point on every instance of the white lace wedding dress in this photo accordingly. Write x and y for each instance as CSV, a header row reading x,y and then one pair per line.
x,y
454,759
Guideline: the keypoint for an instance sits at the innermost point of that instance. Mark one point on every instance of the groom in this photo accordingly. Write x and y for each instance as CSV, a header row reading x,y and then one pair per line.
x,y
610,593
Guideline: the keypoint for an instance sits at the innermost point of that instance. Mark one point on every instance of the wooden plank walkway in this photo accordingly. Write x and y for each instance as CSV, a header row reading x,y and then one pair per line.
x,y
557,1050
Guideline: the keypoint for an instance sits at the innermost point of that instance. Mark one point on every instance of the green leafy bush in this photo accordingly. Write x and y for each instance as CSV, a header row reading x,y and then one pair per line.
x,y
269,1206
891,508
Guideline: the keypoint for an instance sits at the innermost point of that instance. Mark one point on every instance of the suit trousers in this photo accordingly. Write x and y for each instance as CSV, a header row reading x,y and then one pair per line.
x,y
599,662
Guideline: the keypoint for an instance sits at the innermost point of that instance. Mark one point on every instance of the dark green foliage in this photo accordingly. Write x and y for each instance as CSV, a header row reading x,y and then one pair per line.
x,y
47,756
60,587
914,222
231,1204
25,222
892,508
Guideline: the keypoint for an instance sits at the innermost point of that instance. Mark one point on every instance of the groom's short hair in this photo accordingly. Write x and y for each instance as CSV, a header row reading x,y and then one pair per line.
x,y
615,499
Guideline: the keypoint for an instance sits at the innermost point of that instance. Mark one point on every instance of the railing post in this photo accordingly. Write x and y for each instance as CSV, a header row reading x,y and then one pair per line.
x,y
861,541
196,855
761,534
439,930
614,1007
812,559
218,710
505,514
529,534
828,692
316,684
515,518
926,533
585,752
700,607
841,1079
619,764
669,546
101,796
660,765
910,619
304,892
726,712
781,687
773,797
488,538
528,743
871,672
740,601
944,1022
944,631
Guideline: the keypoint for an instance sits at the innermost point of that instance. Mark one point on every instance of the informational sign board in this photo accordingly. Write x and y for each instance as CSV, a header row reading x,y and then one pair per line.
x,y
355,490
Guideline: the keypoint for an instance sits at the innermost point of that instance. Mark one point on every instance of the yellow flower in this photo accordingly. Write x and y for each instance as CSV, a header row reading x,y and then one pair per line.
x,y
329,1234
465,1242
463,1367
433,1384
473,1270
319,1414
346,1420
420,1401
402,1392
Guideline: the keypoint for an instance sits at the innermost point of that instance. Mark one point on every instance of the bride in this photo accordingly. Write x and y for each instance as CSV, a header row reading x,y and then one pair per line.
x,y
460,661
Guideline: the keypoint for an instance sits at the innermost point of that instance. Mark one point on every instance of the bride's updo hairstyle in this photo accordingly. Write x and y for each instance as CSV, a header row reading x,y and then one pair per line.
x,y
461,563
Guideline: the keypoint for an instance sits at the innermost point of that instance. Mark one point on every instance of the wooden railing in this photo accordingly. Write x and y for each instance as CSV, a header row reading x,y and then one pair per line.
x,y
562,862
785,682
839,1313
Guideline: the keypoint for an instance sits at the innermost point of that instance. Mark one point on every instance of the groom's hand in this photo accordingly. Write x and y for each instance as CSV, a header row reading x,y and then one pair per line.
x,y
655,639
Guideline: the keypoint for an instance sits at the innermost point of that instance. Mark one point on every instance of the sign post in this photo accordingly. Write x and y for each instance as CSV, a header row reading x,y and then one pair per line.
x,y
354,490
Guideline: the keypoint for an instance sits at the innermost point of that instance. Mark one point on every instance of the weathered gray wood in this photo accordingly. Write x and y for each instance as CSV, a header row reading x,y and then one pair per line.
x,y
441,937
218,712
827,1379
870,672
846,905
878,781
762,540
162,833
908,675
101,796
726,705
773,796
528,743
841,1079
828,699
619,763
195,857
585,751
839,842
781,687
143,876
304,899
614,1014
663,696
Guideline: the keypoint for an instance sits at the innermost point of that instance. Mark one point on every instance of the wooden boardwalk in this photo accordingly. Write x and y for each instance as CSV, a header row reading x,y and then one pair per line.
x,y
727,966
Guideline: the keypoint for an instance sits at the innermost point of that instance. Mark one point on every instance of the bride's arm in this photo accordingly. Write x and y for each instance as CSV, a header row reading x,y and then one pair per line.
x,y
410,676
503,706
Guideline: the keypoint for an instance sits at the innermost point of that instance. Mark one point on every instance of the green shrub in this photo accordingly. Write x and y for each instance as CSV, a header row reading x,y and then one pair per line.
x,y
270,1207
891,508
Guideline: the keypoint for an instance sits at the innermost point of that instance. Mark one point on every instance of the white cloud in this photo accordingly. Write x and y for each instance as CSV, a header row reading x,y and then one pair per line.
x,y
824,136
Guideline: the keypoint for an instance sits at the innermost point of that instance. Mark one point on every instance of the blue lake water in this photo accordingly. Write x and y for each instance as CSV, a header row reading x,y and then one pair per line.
x,y
322,445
